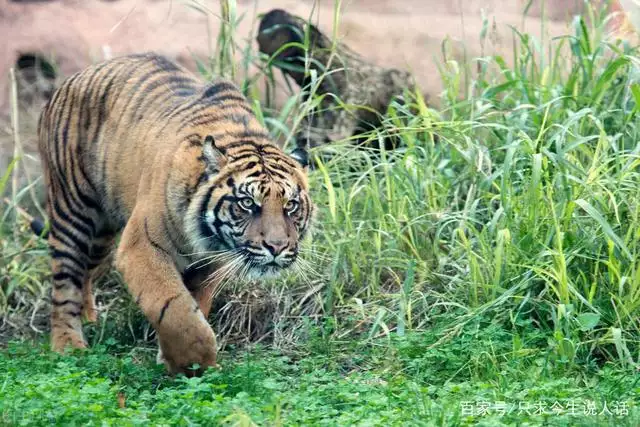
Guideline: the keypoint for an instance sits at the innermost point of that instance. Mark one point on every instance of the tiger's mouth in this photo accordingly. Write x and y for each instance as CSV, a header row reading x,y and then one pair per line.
x,y
260,266
264,262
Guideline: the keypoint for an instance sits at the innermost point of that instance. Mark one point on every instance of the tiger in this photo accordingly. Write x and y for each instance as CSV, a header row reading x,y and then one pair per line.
x,y
184,173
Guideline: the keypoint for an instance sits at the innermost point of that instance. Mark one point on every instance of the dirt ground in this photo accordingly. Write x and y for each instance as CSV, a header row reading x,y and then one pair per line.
x,y
405,34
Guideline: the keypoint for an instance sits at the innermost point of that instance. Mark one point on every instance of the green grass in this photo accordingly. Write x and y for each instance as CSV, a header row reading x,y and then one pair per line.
x,y
493,257
408,380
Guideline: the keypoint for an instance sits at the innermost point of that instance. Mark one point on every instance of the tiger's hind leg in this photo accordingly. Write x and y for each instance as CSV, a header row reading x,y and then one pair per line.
x,y
73,228
69,265
100,260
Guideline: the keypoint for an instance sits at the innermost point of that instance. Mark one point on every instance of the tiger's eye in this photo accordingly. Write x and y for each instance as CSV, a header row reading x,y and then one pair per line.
x,y
247,203
291,206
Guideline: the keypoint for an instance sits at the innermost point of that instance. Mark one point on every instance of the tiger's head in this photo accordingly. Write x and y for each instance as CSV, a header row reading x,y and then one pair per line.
x,y
252,208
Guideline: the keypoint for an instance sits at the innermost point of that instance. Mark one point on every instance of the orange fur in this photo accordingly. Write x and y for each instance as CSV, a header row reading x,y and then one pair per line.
x,y
188,175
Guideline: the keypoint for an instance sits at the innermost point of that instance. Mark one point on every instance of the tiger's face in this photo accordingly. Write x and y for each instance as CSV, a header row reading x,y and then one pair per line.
x,y
255,212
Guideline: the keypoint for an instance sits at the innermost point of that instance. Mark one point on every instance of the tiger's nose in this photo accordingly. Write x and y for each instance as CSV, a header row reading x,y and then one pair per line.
x,y
275,247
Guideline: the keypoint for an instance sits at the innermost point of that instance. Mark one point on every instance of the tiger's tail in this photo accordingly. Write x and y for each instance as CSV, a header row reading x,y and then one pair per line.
x,y
37,225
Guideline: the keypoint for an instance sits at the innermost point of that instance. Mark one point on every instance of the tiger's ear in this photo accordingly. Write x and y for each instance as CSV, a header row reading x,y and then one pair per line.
x,y
213,156
301,156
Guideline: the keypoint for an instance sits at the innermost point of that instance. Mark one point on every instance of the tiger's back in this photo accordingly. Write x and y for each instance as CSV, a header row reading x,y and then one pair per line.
x,y
184,169
107,119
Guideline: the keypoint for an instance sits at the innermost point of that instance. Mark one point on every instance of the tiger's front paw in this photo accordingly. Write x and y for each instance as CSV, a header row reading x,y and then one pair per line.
x,y
179,356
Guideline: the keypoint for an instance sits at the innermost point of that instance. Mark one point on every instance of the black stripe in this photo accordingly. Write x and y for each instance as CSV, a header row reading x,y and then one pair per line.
x,y
167,81
251,165
244,144
277,166
218,223
69,239
102,110
86,200
54,99
307,216
153,243
243,106
208,119
281,157
62,166
59,115
102,103
165,306
195,140
74,208
244,151
84,122
98,100
64,255
242,157
68,163
191,121
171,227
135,93
58,303
205,230
84,119
81,168
191,110
244,140
64,277
70,270
284,176
166,104
83,224
217,87
226,97
170,114
164,101
82,92
164,63
206,104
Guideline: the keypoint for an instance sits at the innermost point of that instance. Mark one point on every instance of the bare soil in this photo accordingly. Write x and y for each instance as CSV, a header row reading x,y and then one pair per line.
x,y
414,35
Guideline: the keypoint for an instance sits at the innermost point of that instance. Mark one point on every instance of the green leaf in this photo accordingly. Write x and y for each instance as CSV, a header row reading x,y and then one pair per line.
x,y
495,90
588,321
593,213
607,77
635,91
